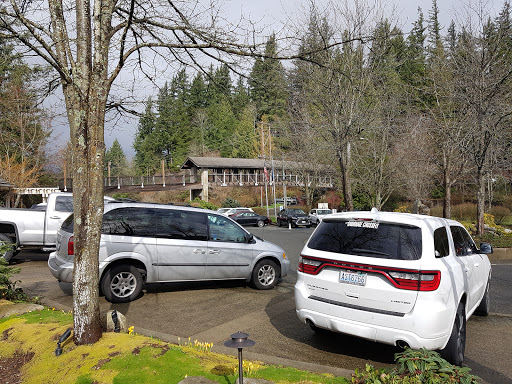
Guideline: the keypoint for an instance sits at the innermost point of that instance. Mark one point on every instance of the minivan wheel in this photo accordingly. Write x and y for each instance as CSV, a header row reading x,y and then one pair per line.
x,y
265,274
454,350
121,283
7,255
260,223
484,306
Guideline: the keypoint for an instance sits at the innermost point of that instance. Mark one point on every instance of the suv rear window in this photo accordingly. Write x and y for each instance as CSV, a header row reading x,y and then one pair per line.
x,y
368,238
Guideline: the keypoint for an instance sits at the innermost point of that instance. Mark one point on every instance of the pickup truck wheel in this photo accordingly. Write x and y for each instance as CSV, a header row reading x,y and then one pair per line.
x,y
265,274
121,284
6,240
483,307
454,350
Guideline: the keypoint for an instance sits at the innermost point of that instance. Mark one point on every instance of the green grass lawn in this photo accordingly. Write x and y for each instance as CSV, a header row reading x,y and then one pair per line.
x,y
123,358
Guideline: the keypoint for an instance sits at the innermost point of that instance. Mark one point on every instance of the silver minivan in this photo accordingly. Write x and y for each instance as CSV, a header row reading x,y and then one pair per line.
x,y
154,243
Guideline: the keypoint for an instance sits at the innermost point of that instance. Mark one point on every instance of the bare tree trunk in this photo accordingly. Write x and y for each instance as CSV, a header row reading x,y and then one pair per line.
x,y
344,161
480,205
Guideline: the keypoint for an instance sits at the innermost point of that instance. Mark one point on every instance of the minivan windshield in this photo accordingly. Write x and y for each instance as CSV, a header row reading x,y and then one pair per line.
x,y
368,238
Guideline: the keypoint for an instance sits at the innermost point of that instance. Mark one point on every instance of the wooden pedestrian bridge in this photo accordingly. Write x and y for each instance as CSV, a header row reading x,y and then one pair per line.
x,y
199,174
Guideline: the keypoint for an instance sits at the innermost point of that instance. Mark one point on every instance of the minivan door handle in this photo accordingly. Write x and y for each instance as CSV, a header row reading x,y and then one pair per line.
x,y
214,251
199,251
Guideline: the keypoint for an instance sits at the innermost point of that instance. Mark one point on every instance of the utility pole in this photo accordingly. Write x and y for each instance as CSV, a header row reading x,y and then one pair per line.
x,y
266,153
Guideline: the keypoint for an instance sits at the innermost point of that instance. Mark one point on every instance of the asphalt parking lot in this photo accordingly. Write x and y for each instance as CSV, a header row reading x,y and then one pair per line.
x,y
210,312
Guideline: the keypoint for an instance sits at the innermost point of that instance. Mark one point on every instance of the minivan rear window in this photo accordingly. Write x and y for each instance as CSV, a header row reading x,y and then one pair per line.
x,y
368,238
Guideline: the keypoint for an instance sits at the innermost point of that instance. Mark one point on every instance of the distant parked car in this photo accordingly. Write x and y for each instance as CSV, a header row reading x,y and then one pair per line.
x,y
317,214
232,211
250,218
289,200
295,217
39,206
395,278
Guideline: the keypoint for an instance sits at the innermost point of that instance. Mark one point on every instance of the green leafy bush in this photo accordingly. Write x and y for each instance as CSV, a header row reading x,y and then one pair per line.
x,y
230,203
416,367
197,202
8,289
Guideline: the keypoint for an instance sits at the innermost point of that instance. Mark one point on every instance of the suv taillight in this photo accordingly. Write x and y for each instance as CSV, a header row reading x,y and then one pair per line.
x,y
71,246
414,280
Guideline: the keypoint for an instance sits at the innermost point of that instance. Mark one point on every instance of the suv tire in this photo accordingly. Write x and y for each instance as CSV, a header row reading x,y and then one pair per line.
x,y
483,307
7,241
265,274
454,350
121,283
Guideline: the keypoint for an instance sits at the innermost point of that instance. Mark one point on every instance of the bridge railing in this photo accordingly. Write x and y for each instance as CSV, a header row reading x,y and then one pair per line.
x,y
232,179
217,179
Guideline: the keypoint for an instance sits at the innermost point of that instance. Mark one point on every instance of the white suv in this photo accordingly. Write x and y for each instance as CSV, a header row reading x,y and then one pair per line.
x,y
395,278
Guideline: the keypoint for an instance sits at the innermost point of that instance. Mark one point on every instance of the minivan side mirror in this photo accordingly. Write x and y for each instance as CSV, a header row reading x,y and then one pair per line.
x,y
486,248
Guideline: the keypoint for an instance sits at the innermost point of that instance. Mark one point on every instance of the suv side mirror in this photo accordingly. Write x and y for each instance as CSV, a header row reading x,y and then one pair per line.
x,y
249,237
486,248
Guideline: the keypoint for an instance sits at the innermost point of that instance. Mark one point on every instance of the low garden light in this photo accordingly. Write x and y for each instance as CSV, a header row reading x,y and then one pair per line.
x,y
239,340
63,338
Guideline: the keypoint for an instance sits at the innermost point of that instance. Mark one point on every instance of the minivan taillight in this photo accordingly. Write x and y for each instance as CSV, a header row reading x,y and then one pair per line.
x,y
71,246
415,280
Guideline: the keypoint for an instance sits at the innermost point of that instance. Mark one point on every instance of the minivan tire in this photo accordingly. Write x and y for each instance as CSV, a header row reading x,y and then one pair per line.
x,y
121,283
7,241
265,274
454,350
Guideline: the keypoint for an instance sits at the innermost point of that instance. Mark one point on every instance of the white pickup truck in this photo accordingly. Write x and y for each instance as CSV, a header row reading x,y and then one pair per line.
x,y
35,228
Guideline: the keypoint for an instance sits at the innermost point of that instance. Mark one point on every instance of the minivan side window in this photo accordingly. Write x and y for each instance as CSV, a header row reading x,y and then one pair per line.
x,y
441,242
130,221
183,225
464,244
223,229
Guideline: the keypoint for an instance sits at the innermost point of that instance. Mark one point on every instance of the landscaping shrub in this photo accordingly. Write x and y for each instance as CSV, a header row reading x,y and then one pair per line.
x,y
464,212
230,203
8,289
416,367
500,213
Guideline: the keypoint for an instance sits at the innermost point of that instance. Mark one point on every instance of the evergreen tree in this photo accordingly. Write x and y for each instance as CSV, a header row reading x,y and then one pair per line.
x,y
221,126
145,154
116,159
23,135
219,86
268,83
173,131
241,98
198,94
245,137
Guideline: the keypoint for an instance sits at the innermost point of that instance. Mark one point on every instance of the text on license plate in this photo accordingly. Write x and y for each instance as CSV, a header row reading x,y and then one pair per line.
x,y
355,278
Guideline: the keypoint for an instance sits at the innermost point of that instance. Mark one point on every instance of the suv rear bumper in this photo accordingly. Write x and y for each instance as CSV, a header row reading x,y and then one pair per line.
x,y
382,328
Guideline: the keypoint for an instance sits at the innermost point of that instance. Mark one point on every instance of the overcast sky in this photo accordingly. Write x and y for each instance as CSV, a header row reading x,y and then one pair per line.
x,y
271,13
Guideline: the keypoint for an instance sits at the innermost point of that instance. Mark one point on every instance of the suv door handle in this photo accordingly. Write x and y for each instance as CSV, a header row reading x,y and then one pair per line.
x,y
54,217
199,251
214,251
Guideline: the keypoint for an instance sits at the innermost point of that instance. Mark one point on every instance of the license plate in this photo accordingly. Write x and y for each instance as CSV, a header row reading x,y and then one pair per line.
x,y
354,278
